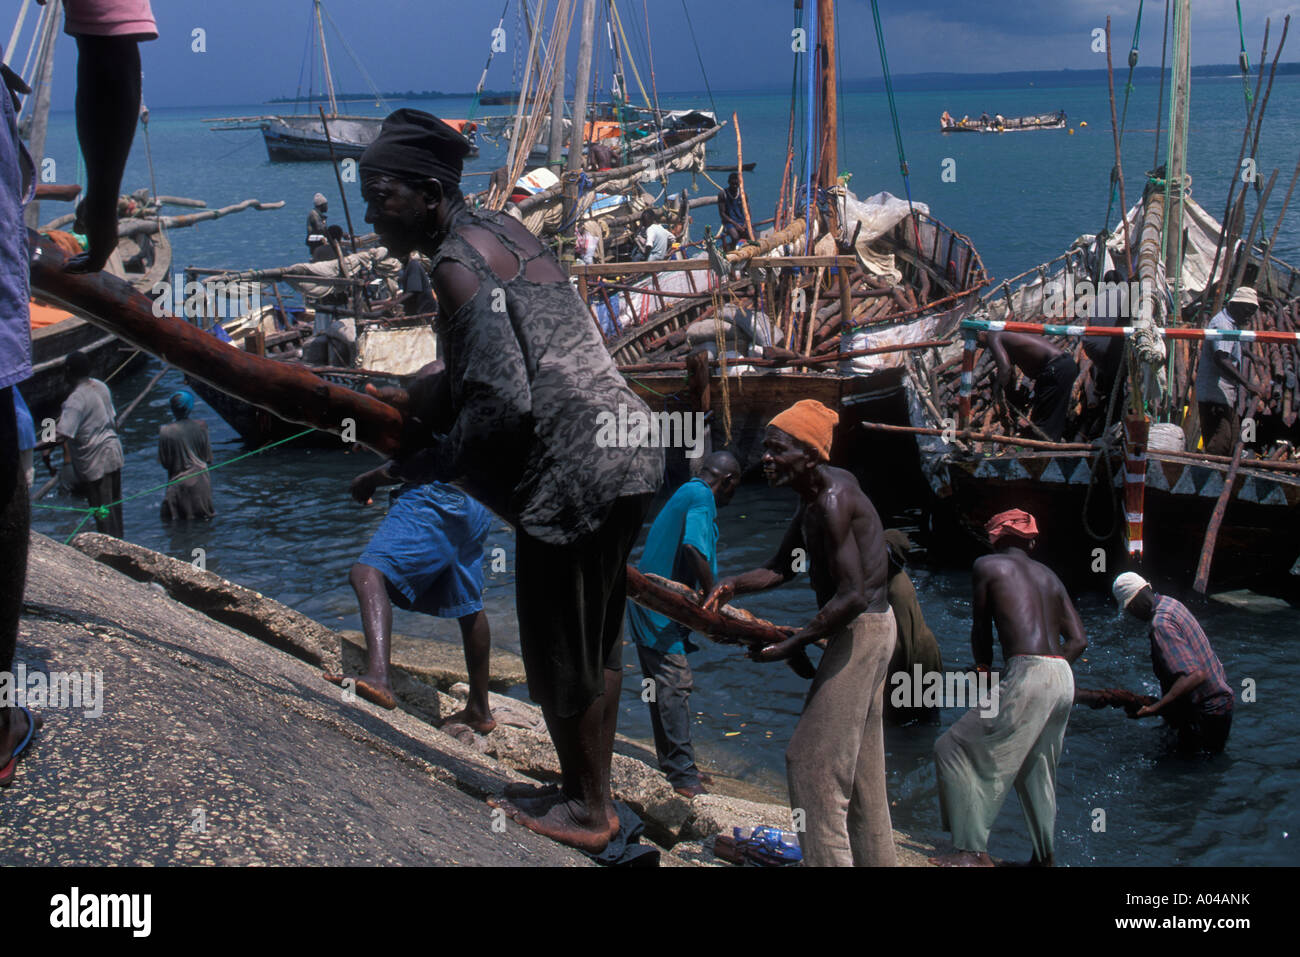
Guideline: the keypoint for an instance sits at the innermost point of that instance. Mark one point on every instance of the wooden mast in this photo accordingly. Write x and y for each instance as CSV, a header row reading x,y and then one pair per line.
x,y
41,83
555,143
828,172
578,132
325,57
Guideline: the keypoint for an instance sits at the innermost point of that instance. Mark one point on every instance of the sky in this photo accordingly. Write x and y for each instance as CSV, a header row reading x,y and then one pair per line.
x,y
254,49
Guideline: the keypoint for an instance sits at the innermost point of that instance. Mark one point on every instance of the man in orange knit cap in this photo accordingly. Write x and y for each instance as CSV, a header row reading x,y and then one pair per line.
x,y
1016,742
835,762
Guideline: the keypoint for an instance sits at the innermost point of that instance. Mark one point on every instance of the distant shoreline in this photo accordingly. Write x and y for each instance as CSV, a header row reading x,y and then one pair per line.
x,y
407,95
903,82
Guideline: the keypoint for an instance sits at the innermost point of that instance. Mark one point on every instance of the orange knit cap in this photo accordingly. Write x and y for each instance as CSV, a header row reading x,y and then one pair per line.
x,y
811,423
1013,521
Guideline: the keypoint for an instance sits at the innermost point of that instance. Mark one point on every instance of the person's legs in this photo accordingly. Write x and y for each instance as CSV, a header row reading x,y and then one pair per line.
x,y
15,520
670,715
978,758
1219,428
1036,782
97,496
115,509
554,623
476,636
871,832
570,601
108,104
1215,728
1052,396
377,623
821,759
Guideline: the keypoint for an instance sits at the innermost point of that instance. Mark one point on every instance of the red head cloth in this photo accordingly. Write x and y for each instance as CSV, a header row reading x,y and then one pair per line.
x,y
1013,521
811,423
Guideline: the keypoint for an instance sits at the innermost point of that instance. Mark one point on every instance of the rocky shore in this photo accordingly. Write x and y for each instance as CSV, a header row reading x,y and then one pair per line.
x,y
219,743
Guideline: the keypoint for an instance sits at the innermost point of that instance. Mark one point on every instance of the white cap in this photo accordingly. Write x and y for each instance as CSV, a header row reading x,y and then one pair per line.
x,y
1126,588
319,200
1245,294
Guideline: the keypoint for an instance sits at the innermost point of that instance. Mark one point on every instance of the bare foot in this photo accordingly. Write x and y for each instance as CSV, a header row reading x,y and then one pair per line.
x,y
963,859
558,818
367,686
100,230
471,719
536,799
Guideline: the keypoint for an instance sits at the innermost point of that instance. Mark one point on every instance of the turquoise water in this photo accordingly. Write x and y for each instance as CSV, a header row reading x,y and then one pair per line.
x,y
286,526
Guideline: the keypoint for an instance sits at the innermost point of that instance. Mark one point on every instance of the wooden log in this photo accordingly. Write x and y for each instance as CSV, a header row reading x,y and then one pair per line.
x,y
727,625
290,392
1220,507
1112,698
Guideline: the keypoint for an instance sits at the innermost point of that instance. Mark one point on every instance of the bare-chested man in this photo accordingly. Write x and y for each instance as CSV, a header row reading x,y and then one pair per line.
x,y
1051,368
1018,739
835,762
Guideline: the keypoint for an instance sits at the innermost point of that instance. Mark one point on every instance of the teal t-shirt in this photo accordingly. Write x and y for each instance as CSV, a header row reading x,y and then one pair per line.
x,y
689,517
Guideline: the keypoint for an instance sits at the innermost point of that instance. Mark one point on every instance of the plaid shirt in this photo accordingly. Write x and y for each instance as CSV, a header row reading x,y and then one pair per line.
x,y
1179,647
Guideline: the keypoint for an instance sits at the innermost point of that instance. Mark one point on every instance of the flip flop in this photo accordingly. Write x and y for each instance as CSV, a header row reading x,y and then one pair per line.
x,y
9,770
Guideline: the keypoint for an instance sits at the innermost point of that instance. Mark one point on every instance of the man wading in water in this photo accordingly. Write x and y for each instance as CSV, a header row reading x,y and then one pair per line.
x,y
835,762
985,753
515,423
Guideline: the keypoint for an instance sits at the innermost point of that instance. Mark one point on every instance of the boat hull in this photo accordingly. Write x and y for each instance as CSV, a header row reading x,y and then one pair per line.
x,y
1258,542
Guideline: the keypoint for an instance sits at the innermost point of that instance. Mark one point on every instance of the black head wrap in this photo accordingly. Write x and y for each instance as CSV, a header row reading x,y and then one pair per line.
x,y
415,145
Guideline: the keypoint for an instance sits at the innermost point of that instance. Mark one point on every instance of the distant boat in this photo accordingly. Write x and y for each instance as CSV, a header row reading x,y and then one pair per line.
x,y
301,137
1003,124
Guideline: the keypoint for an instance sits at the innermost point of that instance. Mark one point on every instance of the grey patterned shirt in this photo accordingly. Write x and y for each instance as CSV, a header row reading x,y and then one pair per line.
x,y
529,378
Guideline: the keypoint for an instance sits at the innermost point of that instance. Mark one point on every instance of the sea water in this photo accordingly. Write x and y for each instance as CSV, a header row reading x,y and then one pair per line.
x,y
286,526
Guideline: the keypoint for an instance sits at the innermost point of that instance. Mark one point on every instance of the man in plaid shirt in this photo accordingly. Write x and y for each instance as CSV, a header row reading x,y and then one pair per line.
x,y
1196,697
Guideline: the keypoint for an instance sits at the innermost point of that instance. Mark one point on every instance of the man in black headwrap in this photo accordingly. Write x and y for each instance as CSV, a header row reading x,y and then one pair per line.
x,y
521,419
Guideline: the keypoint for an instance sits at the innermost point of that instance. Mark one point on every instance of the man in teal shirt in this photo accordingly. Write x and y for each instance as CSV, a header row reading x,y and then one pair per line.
x,y
682,545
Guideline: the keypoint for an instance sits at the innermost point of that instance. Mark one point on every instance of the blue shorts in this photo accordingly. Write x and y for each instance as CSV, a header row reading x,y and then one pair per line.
x,y
430,549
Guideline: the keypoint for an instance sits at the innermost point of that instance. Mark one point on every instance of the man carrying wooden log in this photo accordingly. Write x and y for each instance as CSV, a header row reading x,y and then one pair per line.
x,y
1018,740
1219,375
682,545
1196,697
516,423
835,762
1048,365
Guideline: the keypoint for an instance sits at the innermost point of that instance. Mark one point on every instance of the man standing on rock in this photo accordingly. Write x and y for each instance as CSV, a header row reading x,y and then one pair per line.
x,y
516,422
683,546
1017,741
835,762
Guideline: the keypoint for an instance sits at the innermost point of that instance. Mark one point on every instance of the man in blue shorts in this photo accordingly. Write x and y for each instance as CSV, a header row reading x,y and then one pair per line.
x,y
426,556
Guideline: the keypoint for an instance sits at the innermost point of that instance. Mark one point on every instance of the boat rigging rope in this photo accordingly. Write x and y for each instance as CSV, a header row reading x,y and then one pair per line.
x,y
492,52
1103,454
704,73
1243,58
1123,123
893,114
1160,87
